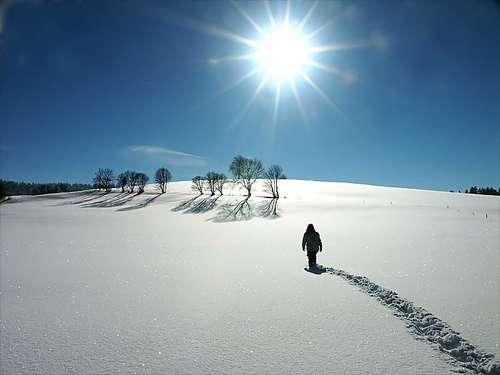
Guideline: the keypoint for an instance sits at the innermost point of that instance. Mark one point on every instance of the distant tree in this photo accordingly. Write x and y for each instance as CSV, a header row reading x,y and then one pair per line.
x,y
486,191
103,179
30,188
142,180
198,182
131,180
211,180
98,179
121,181
108,179
220,181
3,190
246,171
162,177
272,175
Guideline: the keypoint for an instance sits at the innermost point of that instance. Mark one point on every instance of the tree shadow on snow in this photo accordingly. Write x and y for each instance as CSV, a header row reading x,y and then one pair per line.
x,y
84,197
140,205
184,205
241,210
198,204
203,205
67,194
268,208
246,210
114,201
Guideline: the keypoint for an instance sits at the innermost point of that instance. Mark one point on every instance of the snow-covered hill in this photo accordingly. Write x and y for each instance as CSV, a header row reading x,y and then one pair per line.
x,y
106,283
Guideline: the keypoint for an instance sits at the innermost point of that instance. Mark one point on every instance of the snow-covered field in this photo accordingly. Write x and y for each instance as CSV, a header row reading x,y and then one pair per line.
x,y
100,284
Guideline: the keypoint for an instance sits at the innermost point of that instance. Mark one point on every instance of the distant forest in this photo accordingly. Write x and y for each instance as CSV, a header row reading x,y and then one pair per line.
x,y
484,191
32,188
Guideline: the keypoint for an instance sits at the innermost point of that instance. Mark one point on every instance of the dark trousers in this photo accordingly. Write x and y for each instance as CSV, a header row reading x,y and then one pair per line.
x,y
312,258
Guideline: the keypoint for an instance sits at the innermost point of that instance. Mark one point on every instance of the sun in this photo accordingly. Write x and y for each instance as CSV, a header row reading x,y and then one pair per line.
x,y
282,54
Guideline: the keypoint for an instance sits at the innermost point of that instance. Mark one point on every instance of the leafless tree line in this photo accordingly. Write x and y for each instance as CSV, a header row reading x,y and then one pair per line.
x,y
245,172
212,181
103,179
129,180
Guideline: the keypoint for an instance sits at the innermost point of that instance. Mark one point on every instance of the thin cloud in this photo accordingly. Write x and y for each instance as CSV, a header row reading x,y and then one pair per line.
x,y
168,156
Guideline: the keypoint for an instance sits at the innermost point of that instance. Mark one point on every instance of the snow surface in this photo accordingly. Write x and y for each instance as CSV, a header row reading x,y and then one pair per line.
x,y
105,283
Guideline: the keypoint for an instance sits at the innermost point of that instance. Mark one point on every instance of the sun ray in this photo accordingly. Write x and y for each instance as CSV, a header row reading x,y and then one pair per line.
x,y
245,109
321,28
339,46
299,101
347,76
270,14
227,88
228,35
277,96
320,92
217,60
309,13
247,17
212,30
287,13
237,82
329,68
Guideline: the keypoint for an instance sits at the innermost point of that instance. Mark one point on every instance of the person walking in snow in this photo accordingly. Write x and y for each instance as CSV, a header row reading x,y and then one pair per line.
x,y
312,241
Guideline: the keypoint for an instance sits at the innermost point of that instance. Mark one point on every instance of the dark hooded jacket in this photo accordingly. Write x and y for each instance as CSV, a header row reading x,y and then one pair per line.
x,y
313,242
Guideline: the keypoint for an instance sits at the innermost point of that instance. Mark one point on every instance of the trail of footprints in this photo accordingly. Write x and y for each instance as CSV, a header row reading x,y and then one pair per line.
x,y
426,326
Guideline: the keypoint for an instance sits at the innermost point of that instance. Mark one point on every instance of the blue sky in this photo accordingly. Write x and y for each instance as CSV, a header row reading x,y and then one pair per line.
x,y
132,85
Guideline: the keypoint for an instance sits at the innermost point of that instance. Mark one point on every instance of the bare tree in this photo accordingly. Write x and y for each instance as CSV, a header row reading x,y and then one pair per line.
x,y
211,179
220,180
97,180
272,175
108,179
142,180
246,171
198,183
131,180
162,177
104,179
121,181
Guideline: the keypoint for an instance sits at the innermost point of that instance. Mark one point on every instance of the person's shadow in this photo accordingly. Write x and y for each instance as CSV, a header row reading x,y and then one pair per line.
x,y
318,270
